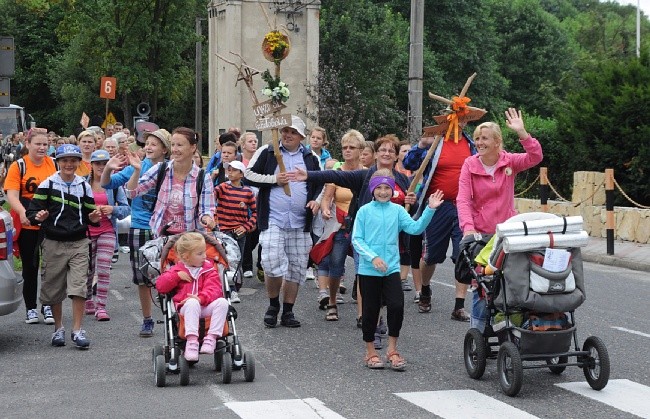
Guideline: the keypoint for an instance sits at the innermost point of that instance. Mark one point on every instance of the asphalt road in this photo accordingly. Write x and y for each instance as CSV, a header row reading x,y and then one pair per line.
x,y
316,370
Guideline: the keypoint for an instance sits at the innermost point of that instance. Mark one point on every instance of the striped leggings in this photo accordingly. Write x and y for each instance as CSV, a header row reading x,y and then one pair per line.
x,y
101,252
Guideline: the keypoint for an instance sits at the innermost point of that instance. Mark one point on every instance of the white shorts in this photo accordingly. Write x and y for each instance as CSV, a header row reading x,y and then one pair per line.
x,y
285,253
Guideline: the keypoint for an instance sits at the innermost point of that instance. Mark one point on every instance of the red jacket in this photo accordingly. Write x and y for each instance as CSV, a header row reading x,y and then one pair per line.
x,y
207,286
484,201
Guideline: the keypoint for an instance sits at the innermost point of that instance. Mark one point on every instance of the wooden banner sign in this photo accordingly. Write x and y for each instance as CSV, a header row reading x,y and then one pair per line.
x,y
267,108
434,130
271,122
472,115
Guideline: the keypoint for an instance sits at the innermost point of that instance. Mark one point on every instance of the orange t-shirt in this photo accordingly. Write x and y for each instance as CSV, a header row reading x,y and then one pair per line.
x,y
83,169
34,175
445,177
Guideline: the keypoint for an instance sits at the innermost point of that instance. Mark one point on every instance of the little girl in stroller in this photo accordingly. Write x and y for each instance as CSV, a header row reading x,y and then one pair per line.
x,y
198,293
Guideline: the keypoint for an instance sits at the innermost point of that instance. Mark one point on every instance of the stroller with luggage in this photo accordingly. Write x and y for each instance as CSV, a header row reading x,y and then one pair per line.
x,y
532,284
158,254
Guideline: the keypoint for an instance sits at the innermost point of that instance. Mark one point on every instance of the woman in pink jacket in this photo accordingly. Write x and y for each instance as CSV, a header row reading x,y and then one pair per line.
x,y
486,188
197,293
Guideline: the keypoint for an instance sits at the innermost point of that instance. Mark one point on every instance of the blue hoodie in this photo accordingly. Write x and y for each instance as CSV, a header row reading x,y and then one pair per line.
x,y
375,233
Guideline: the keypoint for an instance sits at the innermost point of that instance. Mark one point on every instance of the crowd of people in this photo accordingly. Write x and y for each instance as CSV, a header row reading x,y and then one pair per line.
x,y
316,213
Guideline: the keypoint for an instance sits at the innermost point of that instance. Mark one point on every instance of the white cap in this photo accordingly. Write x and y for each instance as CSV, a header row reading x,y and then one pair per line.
x,y
236,164
297,124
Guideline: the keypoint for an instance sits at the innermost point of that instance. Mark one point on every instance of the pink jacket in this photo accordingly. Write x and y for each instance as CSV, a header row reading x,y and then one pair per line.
x,y
484,201
207,286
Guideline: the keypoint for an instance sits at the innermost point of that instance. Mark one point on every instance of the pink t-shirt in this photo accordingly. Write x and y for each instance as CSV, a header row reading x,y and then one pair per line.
x,y
104,222
174,211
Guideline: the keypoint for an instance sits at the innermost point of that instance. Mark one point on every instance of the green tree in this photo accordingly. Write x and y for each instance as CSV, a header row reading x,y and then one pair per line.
x,y
535,54
33,24
147,46
607,121
367,46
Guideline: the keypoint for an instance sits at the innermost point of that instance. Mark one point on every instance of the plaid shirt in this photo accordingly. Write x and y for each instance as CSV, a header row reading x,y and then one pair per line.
x,y
206,201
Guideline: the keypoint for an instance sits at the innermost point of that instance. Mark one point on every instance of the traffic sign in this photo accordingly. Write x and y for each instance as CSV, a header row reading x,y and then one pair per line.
x,y
110,120
7,57
107,88
5,92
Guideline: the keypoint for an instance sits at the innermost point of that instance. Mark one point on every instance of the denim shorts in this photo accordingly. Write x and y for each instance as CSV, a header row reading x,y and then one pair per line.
x,y
333,265
442,228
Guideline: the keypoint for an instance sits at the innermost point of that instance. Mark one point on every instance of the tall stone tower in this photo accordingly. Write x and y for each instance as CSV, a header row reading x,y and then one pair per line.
x,y
239,26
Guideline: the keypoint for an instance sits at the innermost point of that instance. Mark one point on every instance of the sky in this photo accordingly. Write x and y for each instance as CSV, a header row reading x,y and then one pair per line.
x,y
645,5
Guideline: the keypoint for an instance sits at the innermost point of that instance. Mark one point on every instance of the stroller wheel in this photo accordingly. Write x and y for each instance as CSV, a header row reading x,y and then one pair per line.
x,y
184,368
475,353
552,364
596,364
157,350
249,367
159,370
226,368
217,360
218,355
510,369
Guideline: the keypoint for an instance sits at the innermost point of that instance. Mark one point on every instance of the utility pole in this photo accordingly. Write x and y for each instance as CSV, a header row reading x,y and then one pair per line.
x,y
638,28
198,92
416,71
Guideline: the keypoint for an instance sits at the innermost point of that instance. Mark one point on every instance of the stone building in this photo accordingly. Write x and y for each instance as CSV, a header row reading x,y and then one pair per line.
x,y
239,26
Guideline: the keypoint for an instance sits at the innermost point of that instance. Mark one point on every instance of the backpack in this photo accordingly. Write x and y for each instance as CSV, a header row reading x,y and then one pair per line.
x,y
160,177
22,169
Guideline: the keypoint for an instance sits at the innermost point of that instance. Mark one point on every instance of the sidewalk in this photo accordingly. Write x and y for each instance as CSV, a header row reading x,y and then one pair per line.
x,y
626,254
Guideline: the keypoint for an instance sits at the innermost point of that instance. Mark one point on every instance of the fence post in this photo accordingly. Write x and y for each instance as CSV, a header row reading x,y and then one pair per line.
x,y
609,207
543,188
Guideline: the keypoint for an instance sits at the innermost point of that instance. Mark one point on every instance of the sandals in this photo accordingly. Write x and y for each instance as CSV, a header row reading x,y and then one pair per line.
x,y
395,361
374,362
332,313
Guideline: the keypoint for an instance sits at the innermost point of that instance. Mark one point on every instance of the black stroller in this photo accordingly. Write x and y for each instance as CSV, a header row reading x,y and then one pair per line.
x,y
530,309
158,254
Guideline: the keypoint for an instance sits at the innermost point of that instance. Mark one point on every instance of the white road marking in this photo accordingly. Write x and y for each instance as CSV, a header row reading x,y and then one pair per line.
x,y
634,332
622,394
117,295
283,409
445,284
221,394
463,404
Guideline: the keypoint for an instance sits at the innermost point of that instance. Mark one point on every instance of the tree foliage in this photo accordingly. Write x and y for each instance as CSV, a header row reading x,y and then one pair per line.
x,y
367,46
569,64
608,121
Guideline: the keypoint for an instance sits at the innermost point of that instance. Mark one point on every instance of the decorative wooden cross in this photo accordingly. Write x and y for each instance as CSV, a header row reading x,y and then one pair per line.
x,y
264,109
460,113
447,124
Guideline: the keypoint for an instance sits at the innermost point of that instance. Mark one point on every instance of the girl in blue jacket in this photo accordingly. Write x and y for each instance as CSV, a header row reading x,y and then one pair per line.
x,y
375,238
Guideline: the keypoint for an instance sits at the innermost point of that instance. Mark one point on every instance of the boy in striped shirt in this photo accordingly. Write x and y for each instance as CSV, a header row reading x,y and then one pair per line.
x,y
236,209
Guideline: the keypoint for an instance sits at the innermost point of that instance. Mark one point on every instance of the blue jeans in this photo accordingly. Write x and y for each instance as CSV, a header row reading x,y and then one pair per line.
x,y
479,312
333,265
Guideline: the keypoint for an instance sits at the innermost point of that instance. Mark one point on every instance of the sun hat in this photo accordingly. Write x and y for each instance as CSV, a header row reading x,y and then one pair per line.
x,y
297,124
68,150
236,164
100,155
163,136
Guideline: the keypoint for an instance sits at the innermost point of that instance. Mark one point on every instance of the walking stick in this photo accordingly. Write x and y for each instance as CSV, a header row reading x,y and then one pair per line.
x,y
420,171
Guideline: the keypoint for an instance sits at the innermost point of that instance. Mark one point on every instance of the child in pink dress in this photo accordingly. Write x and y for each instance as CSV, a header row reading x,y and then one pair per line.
x,y
197,292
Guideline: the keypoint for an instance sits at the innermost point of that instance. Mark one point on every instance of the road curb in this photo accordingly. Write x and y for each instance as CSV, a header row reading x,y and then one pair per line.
x,y
616,261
